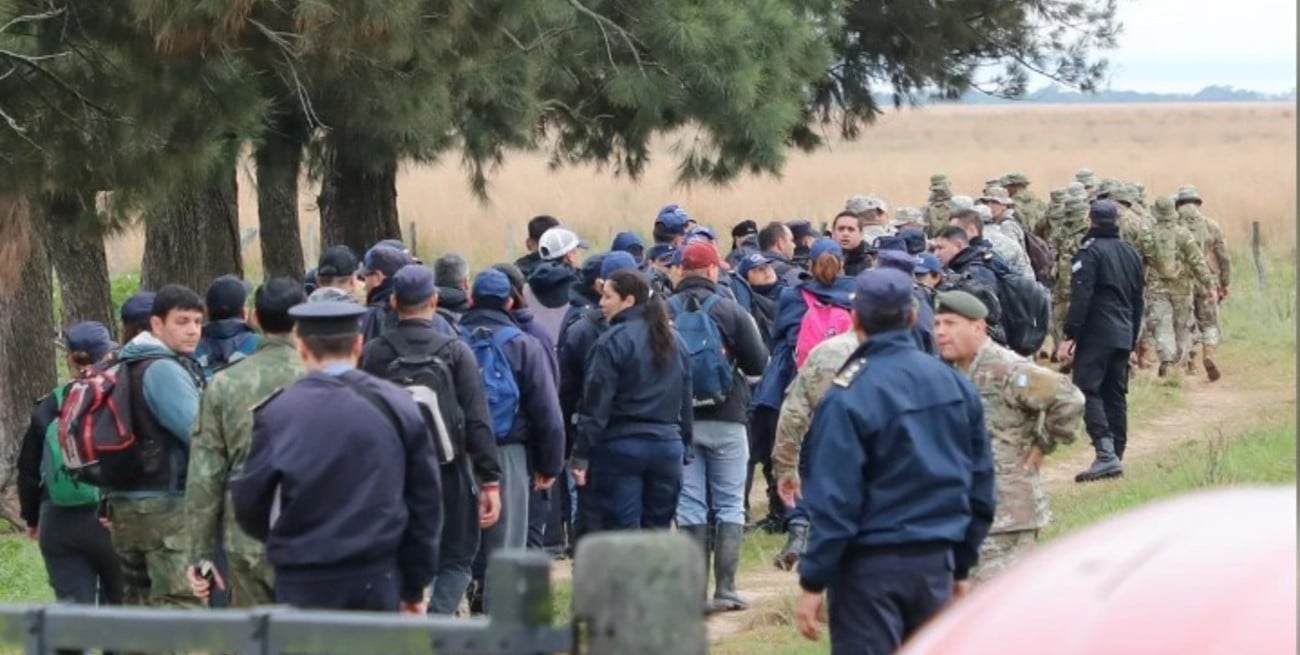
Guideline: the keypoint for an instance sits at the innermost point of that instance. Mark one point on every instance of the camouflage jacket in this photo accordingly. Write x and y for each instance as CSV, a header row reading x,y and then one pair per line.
x,y
1031,210
1169,252
1024,404
810,384
1132,225
936,216
1210,236
221,438
1068,233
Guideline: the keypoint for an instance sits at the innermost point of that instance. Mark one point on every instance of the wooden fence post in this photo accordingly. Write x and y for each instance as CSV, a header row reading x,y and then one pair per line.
x,y
1256,252
638,593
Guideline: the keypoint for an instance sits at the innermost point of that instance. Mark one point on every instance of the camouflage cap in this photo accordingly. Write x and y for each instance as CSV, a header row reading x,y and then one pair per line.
x,y
862,204
961,202
1016,178
1076,205
999,195
1058,194
940,182
1164,209
1188,193
1125,194
1085,176
985,213
1109,185
1077,190
905,215
992,182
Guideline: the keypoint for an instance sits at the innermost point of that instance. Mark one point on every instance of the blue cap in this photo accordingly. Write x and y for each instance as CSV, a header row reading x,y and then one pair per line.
x,y
385,259
800,229
414,284
882,290
701,232
753,261
626,241
616,261
915,240
890,242
897,260
661,252
591,268
327,318
90,337
823,246
1104,212
927,263
137,309
673,219
226,297
491,284
678,255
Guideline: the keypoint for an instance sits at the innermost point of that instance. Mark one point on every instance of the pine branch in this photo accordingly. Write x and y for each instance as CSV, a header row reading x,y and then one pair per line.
x,y
30,18
601,22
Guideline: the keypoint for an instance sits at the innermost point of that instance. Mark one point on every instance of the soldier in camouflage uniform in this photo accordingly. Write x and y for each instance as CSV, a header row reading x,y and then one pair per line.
x,y
1133,223
939,206
1169,252
1067,234
809,385
1017,395
1031,210
1053,214
1088,180
1206,305
222,435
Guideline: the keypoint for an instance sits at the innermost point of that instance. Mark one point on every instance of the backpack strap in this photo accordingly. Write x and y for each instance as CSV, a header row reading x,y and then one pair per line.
x,y
378,402
503,336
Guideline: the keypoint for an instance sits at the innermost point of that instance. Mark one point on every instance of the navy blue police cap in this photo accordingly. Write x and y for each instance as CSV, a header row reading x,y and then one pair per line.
x,y
327,318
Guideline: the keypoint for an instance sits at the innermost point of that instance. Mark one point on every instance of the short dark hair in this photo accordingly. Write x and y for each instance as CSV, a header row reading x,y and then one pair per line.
x,y
539,224
271,303
954,233
846,214
770,234
323,346
885,320
174,297
968,218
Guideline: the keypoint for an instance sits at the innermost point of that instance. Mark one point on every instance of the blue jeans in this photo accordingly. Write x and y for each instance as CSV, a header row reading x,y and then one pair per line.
x,y
714,481
635,482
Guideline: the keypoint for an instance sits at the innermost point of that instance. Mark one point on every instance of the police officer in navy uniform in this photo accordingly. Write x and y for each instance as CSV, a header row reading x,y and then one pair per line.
x,y
341,481
900,482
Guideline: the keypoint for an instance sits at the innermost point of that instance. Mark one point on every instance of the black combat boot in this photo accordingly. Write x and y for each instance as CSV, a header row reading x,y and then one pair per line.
x,y
1106,465
726,560
795,543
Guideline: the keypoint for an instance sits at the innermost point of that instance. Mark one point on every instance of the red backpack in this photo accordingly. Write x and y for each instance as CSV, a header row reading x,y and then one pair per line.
x,y
96,432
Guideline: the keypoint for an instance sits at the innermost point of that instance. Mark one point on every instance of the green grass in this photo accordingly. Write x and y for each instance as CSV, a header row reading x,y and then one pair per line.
x,y
22,572
1264,456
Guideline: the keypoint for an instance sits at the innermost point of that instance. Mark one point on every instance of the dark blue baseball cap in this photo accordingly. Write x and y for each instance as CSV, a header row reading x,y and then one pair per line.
x,y
628,242
90,337
701,232
491,284
414,284
753,261
890,242
661,252
927,263
823,246
226,296
915,240
616,261
137,309
385,259
591,268
1104,212
882,290
673,219
897,260
800,229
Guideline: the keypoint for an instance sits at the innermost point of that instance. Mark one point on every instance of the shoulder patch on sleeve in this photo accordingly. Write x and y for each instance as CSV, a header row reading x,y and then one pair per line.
x,y
850,372
1074,268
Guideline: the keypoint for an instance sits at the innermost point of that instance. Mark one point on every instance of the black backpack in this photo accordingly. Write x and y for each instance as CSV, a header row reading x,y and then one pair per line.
x,y
429,379
951,281
1026,309
1042,257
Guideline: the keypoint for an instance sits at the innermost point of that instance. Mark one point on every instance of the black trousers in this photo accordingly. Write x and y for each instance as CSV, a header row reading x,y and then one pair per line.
x,y
79,556
339,589
1101,373
762,437
880,597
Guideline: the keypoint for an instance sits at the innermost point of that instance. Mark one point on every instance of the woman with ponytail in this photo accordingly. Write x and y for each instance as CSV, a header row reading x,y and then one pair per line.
x,y
826,286
634,423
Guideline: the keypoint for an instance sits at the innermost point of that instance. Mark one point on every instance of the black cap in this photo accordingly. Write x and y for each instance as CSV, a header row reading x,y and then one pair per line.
x,y
800,229
744,228
337,261
327,318
1104,212
226,296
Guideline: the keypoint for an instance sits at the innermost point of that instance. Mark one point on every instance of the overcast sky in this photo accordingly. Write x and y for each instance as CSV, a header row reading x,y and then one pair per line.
x,y
1184,45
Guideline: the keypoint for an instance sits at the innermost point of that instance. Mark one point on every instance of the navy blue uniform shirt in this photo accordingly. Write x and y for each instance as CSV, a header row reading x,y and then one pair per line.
x,y
898,455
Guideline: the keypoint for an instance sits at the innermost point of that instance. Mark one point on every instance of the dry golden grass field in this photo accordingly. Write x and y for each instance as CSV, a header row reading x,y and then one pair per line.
x,y
1242,156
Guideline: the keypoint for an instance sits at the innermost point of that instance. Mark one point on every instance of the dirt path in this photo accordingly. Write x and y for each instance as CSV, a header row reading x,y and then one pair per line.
x,y
1233,404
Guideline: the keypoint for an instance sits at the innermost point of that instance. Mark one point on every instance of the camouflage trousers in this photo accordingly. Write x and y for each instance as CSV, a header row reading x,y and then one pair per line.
x,y
1169,323
1060,307
250,580
1001,551
149,537
1207,319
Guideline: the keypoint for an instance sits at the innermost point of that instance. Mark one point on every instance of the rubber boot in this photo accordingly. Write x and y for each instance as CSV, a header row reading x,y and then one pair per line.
x,y
1211,368
1106,465
700,534
726,560
796,542
1164,369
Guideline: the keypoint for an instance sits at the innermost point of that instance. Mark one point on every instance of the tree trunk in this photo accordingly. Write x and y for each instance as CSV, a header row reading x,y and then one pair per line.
x,y
27,368
194,237
278,161
76,246
358,204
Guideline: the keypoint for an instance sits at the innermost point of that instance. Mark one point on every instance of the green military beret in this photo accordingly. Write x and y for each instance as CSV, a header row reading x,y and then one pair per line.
x,y
961,304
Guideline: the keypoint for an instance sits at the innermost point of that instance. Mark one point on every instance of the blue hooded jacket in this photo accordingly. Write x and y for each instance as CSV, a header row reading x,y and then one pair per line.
x,y
225,342
790,310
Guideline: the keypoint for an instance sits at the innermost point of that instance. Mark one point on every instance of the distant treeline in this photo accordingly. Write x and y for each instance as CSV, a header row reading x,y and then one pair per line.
x,y
1058,95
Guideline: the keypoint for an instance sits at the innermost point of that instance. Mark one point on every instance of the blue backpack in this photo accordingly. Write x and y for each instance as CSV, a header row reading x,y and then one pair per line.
x,y
711,373
498,378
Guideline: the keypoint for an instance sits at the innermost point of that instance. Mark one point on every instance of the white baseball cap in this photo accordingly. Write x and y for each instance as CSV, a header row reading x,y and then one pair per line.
x,y
558,242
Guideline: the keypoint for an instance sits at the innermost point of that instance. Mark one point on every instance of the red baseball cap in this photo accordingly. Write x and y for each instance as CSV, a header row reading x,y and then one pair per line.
x,y
699,256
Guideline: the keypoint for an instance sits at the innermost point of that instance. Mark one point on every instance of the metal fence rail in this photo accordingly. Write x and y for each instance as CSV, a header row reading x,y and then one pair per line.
x,y
642,593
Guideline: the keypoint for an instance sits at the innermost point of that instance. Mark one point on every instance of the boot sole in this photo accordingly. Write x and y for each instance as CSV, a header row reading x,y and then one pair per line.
x,y
723,606
1101,476
1213,372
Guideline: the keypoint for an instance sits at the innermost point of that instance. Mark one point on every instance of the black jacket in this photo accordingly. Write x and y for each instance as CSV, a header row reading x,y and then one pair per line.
x,y
355,492
1105,292
30,487
480,445
973,261
627,395
857,260
744,346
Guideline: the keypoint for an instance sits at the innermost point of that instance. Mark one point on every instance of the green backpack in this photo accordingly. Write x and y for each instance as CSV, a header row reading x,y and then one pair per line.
x,y
62,489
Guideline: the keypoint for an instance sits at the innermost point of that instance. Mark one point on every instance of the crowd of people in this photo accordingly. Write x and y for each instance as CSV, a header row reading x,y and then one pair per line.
x,y
366,438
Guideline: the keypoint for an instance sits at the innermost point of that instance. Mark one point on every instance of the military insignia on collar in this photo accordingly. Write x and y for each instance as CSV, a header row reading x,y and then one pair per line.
x,y
850,372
